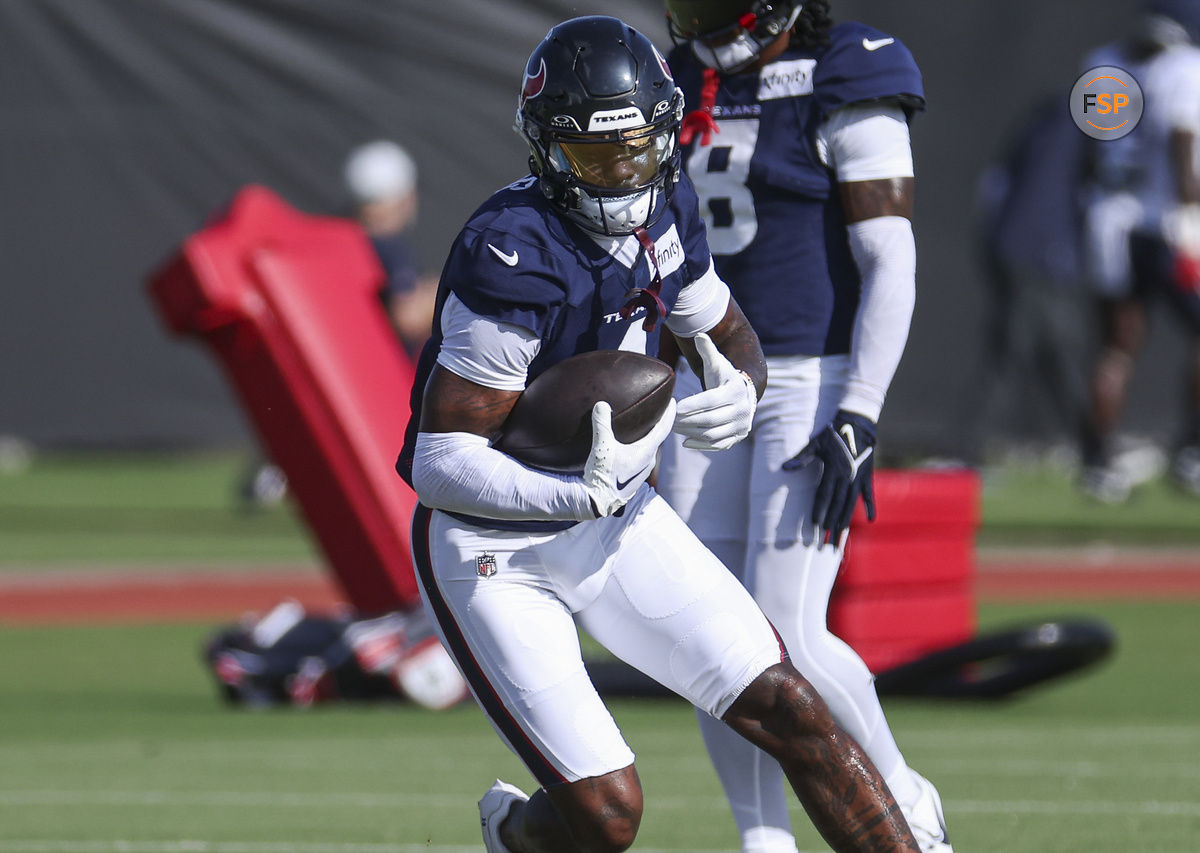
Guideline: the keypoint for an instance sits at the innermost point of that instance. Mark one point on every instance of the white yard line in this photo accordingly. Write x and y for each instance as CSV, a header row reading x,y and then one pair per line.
x,y
142,799
193,846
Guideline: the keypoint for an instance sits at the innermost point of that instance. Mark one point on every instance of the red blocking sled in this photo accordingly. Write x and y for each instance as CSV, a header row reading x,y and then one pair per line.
x,y
906,584
288,303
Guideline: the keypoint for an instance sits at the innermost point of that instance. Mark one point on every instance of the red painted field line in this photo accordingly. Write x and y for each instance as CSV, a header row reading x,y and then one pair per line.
x,y
198,594
77,598
1022,582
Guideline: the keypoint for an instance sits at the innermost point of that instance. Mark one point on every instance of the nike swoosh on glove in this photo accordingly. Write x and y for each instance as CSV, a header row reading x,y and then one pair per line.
x,y
720,416
615,471
846,451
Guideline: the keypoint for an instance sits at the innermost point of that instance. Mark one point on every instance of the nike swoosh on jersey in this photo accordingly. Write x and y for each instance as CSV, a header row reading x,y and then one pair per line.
x,y
511,260
875,44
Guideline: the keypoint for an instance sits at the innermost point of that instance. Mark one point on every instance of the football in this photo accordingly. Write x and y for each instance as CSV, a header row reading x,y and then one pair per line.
x,y
550,427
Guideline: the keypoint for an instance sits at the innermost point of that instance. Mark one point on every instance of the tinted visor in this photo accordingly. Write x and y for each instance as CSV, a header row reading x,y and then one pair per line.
x,y
625,164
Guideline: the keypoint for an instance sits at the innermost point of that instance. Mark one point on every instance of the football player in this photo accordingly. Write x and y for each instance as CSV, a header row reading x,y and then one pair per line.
x,y
601,247
1142,240
798,148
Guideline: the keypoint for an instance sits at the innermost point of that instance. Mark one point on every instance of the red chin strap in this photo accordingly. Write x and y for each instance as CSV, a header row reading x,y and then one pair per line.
x,y
646,297
701,121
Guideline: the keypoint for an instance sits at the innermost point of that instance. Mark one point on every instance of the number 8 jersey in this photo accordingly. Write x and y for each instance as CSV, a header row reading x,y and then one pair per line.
x,y
775,222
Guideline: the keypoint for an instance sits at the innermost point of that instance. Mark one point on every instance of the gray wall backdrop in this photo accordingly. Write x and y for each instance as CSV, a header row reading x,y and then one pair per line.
x,y
124,124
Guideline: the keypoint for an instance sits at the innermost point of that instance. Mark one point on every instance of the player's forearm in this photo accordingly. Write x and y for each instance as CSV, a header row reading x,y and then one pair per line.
x,y
884,249
739,343
460,472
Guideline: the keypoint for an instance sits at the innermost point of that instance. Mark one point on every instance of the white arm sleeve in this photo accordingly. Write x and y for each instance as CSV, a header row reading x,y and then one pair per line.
x,y
700,306
870,142
886,255
486,351
866,142
458,471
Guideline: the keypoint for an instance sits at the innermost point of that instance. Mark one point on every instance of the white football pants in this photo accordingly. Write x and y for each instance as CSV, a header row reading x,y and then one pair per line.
x,y
757,519
506,604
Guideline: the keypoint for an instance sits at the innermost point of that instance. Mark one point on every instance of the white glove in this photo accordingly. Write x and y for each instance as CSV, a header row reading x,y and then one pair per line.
x,y
721,416
615,471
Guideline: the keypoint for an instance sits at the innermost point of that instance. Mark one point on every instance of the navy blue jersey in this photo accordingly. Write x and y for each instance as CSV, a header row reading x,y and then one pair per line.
x,y
776,226
399,263
518,261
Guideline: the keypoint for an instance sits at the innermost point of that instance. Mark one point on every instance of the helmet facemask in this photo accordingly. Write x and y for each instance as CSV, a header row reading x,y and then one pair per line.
x,y
733,44
614,187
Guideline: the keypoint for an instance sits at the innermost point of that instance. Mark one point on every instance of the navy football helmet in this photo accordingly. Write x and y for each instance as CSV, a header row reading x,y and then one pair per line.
x,y
729,35
1184,12
600,112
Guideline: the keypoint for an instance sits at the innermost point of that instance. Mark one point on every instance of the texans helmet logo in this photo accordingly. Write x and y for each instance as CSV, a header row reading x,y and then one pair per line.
x,y
662,62
534,83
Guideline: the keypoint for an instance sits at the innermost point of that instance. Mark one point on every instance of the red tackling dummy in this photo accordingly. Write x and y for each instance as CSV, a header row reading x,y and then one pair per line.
x,y
288,303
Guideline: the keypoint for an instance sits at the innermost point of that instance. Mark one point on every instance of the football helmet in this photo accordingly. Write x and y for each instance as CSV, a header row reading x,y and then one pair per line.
x,y
600,112
1185,13
728,35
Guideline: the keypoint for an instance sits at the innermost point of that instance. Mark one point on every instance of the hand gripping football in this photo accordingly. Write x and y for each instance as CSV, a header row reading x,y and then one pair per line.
x,y
550,427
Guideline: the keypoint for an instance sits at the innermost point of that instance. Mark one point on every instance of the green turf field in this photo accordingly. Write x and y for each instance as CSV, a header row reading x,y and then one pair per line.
x,y
1041,505
142,509
113,741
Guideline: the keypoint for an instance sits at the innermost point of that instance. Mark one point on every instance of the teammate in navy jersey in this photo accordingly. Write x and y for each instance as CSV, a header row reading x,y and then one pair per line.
x,y
798,147
601,247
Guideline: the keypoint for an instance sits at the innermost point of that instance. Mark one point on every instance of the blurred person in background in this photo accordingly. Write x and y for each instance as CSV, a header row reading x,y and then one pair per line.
x,y
1142,238
1033,348
382,180
798,146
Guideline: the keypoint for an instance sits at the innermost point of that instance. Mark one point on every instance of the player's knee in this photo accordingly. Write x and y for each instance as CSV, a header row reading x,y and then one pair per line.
x,y
613,837
603,813
779,708
611,828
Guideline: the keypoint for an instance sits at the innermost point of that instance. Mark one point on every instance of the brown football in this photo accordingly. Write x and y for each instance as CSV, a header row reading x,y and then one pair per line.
x,y
550,427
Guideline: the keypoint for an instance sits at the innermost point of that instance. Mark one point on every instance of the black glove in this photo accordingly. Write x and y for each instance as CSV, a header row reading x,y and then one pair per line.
x,y
846,451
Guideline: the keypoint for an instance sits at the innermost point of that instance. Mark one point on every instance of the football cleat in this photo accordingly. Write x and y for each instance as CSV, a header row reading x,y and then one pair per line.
x,y
1185,469
926,820
493,809
1105,484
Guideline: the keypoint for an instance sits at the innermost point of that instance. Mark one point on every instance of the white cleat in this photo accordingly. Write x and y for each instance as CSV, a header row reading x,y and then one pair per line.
x,y
1106,484
926,820
493,809
1186,469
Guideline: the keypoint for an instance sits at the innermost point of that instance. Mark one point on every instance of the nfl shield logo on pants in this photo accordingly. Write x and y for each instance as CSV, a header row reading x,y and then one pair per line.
x,y
485,564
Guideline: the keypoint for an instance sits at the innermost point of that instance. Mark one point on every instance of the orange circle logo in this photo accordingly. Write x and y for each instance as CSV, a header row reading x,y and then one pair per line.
x,y
1106,102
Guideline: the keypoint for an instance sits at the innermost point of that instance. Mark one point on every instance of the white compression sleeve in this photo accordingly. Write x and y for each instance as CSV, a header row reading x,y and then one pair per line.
x,y
886,255
460,472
